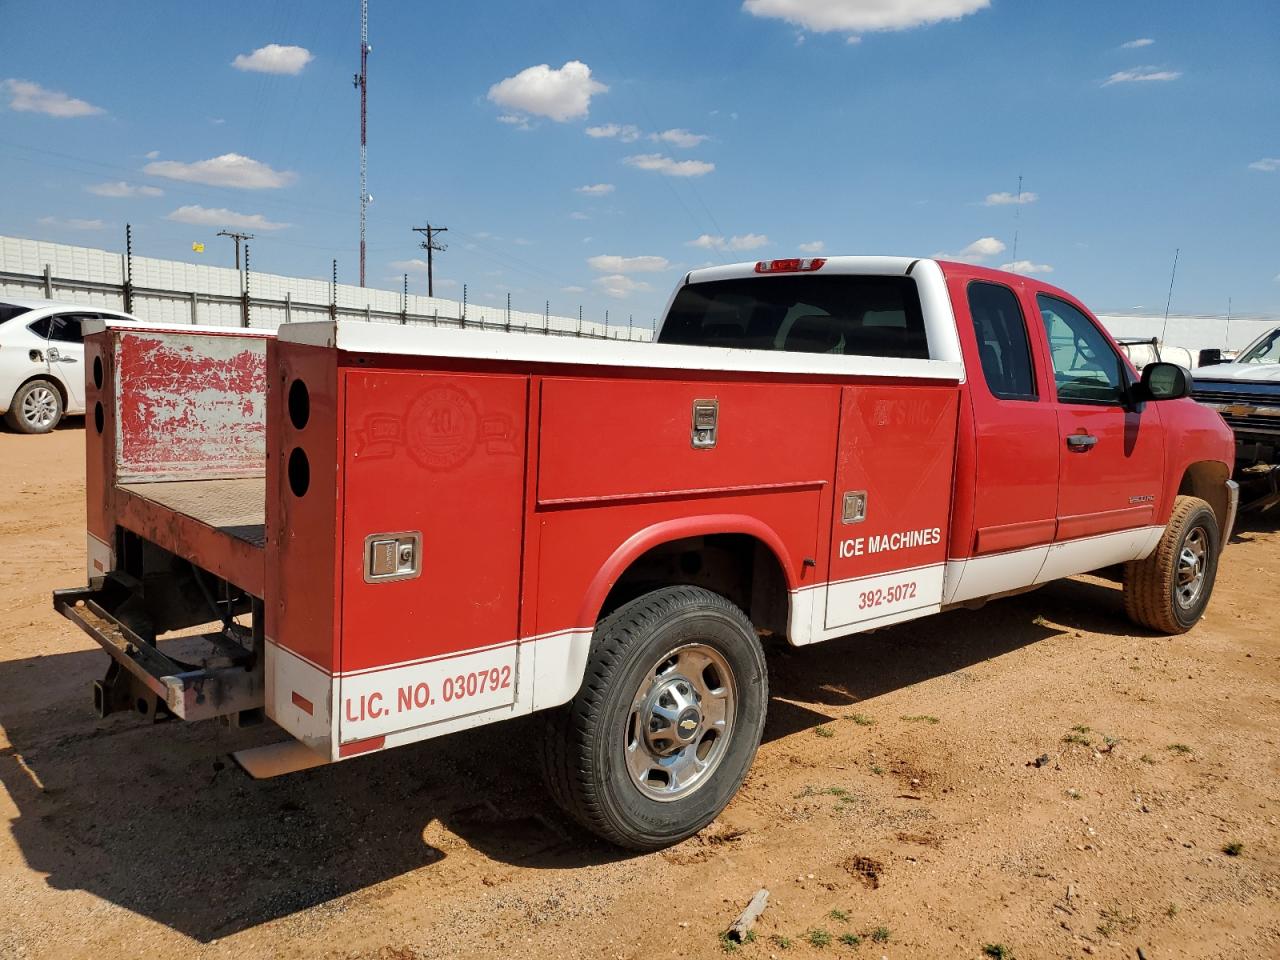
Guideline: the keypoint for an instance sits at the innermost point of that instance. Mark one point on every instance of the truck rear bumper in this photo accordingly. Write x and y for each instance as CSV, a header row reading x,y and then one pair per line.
x,y
230,686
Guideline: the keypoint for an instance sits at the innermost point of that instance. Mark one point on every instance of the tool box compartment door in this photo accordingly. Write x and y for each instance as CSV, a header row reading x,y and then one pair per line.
x,y
433,524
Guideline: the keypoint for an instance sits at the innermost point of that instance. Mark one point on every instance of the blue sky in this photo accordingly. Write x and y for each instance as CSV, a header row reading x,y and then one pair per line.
x,y
712,132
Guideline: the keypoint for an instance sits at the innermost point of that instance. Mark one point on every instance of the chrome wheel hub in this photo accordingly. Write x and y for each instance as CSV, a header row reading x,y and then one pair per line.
x,y
680,720
39,407
1189,574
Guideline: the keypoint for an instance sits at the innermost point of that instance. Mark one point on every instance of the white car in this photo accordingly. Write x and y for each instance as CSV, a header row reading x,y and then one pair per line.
x,y
42,361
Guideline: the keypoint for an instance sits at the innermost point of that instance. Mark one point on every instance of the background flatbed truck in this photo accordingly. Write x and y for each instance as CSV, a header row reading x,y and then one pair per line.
x,y
378,535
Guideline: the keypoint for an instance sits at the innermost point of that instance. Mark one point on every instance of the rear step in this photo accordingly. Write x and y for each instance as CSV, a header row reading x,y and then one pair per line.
x,y
144,678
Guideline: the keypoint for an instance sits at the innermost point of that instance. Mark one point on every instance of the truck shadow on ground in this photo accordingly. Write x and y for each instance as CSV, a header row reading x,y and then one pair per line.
x,y
161,823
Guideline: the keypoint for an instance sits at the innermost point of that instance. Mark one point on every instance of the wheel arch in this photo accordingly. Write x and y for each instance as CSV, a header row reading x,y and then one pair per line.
x,y
1207,479
727,532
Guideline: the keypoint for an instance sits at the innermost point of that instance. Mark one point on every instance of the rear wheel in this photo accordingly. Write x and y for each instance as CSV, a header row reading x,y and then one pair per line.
x,y
667,721
1169,590
36,408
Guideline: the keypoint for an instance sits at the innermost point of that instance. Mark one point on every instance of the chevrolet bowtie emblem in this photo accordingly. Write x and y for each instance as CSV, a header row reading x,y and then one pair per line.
x,y
688,724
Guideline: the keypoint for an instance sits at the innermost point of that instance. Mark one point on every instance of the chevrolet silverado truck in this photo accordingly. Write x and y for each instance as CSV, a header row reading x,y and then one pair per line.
x,y
377,535
1246,392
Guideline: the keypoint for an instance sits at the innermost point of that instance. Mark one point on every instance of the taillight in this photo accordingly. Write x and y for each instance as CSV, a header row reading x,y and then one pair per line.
x,y
795,265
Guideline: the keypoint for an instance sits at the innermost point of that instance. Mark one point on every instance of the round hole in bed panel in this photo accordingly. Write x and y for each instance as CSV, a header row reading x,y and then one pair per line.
x,y
98,417
97,372
299,404
299,472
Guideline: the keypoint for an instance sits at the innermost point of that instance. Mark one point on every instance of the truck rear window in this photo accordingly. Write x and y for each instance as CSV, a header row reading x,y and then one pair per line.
x,y
840,314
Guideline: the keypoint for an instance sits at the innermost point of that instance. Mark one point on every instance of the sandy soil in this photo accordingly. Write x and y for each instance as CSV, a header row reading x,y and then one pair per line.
x,y
896,791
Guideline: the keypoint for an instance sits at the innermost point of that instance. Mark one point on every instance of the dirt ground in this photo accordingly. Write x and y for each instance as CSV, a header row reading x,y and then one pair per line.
x,y
896,798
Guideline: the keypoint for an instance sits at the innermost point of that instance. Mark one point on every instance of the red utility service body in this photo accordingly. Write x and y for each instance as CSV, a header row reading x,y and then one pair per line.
x,y
506,484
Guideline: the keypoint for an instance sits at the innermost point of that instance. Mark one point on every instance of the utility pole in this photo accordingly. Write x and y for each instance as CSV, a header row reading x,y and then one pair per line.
x,y
237,237
431,245
361,83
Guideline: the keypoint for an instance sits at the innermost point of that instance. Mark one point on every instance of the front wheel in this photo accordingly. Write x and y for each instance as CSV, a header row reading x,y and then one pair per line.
x,y
36,408
667,722
1169,590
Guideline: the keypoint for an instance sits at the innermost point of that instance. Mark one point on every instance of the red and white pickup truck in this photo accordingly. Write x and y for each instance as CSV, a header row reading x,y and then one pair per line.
x,y
378,534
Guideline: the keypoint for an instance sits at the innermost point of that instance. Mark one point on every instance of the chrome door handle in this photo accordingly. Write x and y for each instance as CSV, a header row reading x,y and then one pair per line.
x,y
1081,442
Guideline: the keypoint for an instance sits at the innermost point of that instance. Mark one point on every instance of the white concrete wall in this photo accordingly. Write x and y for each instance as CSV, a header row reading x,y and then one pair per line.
x,y
178,280
1192,333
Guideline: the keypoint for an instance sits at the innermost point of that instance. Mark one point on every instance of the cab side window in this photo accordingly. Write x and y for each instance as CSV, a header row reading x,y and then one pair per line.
x,y
67,328
1003,348
1085,367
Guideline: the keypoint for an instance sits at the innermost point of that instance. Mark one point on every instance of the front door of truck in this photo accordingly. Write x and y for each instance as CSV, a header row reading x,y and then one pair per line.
x,y
1112,454
1007,481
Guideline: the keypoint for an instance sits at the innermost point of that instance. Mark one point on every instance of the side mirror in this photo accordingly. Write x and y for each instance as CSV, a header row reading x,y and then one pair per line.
x,y
1164,381
1209,357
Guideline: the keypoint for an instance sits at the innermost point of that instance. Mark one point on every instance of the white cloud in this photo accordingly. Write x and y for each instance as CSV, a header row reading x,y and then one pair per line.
x,y
561,95
119,188
228,170
747,241
579,215
29,97
274,58
1004,198
415,265
668,167
596,189
573,289
611,263
1027,267
222,217
680,138
1266,164
520,123
1135,44
980,249
1141,75
626,132
619,286
75,223
813,246
151,154
862,16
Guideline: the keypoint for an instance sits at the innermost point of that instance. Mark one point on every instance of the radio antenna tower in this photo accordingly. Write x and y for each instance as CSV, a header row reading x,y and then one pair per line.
x,y
361,83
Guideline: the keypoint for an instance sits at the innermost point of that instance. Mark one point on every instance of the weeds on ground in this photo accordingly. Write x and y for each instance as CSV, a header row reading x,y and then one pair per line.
x,y
823,731
1080,728
880,934
781,942
1178,748
921,718
812,791
1077,738
998,951
838,915
1147,758
818,937
862,720
1114,920
849,939
1233,849
877,769
1171,910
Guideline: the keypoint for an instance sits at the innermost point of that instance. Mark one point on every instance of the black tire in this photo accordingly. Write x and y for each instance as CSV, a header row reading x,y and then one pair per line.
x,y
1156,593
36,407
588,744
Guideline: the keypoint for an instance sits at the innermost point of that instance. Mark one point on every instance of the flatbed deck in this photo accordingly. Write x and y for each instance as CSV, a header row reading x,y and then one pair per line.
x,y
219,524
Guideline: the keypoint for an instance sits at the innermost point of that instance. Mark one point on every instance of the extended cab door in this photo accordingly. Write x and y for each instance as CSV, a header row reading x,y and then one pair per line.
x,y
1112,454
64,351
1007,464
